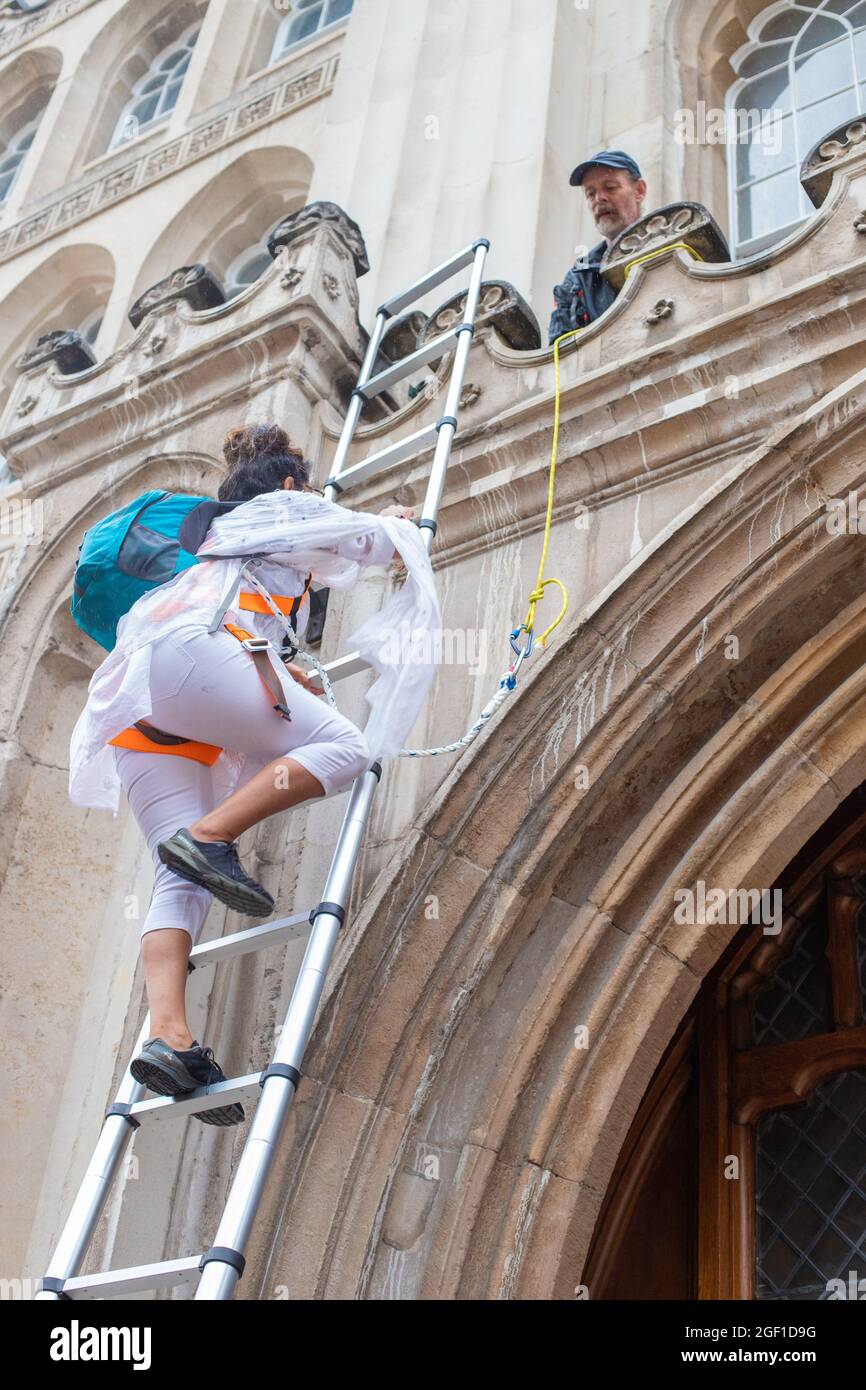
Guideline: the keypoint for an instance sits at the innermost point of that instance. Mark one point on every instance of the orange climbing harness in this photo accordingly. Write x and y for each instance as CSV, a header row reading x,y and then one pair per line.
x,y
146,738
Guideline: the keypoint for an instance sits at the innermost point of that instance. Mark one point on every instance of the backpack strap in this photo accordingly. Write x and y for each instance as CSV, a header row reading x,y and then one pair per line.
x,y
197,520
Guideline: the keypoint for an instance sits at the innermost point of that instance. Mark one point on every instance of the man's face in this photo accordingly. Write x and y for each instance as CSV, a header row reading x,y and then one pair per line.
x,y
613,199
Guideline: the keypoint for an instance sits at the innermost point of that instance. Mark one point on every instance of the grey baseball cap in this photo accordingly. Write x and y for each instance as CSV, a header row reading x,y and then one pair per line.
x,y
615,159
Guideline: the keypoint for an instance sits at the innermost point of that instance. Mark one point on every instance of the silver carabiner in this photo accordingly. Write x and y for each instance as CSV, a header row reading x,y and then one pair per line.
x,y
522,651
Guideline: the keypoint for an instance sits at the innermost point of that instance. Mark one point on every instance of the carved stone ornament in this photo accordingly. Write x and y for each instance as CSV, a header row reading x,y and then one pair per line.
x,y
499,307
29,403
291,277
314,215
65,348
469,395
860,222
331,286
662,310
689,223
154,346
194,284
820,164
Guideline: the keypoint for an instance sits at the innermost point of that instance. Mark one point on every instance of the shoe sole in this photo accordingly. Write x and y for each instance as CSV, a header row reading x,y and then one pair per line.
x,y
159,1079
234,895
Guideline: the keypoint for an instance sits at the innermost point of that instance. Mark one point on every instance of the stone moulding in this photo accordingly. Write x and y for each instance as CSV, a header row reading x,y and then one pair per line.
x,y
687,223
148,168
829,154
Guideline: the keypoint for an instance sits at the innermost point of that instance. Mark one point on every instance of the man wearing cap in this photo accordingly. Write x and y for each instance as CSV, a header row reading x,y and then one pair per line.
x,y
614,190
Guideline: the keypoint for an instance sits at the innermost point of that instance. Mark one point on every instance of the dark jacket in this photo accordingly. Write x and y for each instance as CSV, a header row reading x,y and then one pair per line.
x,y
582,296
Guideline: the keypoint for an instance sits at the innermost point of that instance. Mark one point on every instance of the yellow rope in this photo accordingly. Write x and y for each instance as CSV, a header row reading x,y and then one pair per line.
x,y
651,255
541,583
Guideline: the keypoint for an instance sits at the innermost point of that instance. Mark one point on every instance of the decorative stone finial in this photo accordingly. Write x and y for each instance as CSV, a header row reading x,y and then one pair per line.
x,y
193,283
499,306
64,347
689,223
822,161
307,218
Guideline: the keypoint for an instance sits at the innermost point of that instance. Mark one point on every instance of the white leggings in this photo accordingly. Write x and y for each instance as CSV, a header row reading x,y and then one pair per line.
x,y
204,686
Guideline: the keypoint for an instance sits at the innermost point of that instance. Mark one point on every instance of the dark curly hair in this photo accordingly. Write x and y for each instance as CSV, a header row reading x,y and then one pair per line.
x,y
260,458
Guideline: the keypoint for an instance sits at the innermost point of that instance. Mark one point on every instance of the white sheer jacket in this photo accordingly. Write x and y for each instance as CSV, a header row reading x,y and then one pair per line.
x,y
293,534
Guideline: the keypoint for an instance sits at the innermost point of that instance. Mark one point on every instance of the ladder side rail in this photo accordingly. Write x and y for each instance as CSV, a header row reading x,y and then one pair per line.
x,y
448,424
357,402
95,1186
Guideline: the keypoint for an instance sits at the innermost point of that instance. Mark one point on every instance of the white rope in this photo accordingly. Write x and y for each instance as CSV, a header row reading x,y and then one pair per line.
x,y
506,684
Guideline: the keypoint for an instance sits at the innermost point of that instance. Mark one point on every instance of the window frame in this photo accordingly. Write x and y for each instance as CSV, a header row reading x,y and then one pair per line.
x,y
193,32
280,51
743,247
30,129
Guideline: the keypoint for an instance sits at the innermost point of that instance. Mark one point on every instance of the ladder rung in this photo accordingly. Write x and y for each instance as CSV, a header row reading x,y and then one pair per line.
x,y
395,453
111,1283
234,1088
346,666
253,939
407,365
430,281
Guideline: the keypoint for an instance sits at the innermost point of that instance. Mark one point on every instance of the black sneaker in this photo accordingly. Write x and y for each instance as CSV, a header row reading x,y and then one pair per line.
x,y
170,1073
215,865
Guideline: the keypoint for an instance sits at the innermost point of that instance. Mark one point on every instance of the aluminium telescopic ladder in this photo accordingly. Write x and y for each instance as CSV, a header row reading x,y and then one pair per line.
x,y
219,1268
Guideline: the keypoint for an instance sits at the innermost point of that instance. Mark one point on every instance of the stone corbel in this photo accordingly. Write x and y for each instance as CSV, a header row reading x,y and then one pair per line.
x,y
65,348
688,224
843,148
195,285
499,306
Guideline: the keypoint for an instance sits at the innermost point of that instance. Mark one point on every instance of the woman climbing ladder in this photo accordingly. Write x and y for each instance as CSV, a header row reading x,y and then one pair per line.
x,y
244,757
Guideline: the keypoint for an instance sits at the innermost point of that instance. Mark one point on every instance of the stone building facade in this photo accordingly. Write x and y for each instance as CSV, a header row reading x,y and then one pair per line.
x,y
527,1049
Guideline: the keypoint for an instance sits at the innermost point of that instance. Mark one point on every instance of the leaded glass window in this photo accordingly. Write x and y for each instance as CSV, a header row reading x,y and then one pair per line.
x,y
810,1192
802,73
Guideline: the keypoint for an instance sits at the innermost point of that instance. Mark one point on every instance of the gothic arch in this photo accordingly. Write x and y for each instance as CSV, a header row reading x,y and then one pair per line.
x,y
119,55
27,80
60,293
451,1038
229,212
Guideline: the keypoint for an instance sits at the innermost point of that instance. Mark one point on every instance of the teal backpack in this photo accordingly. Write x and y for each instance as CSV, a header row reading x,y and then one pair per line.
x,y
134,550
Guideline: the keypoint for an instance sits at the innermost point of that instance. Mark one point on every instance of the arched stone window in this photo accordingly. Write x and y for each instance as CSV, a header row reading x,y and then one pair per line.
x,y
804,71
155,95
306,18
12,157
